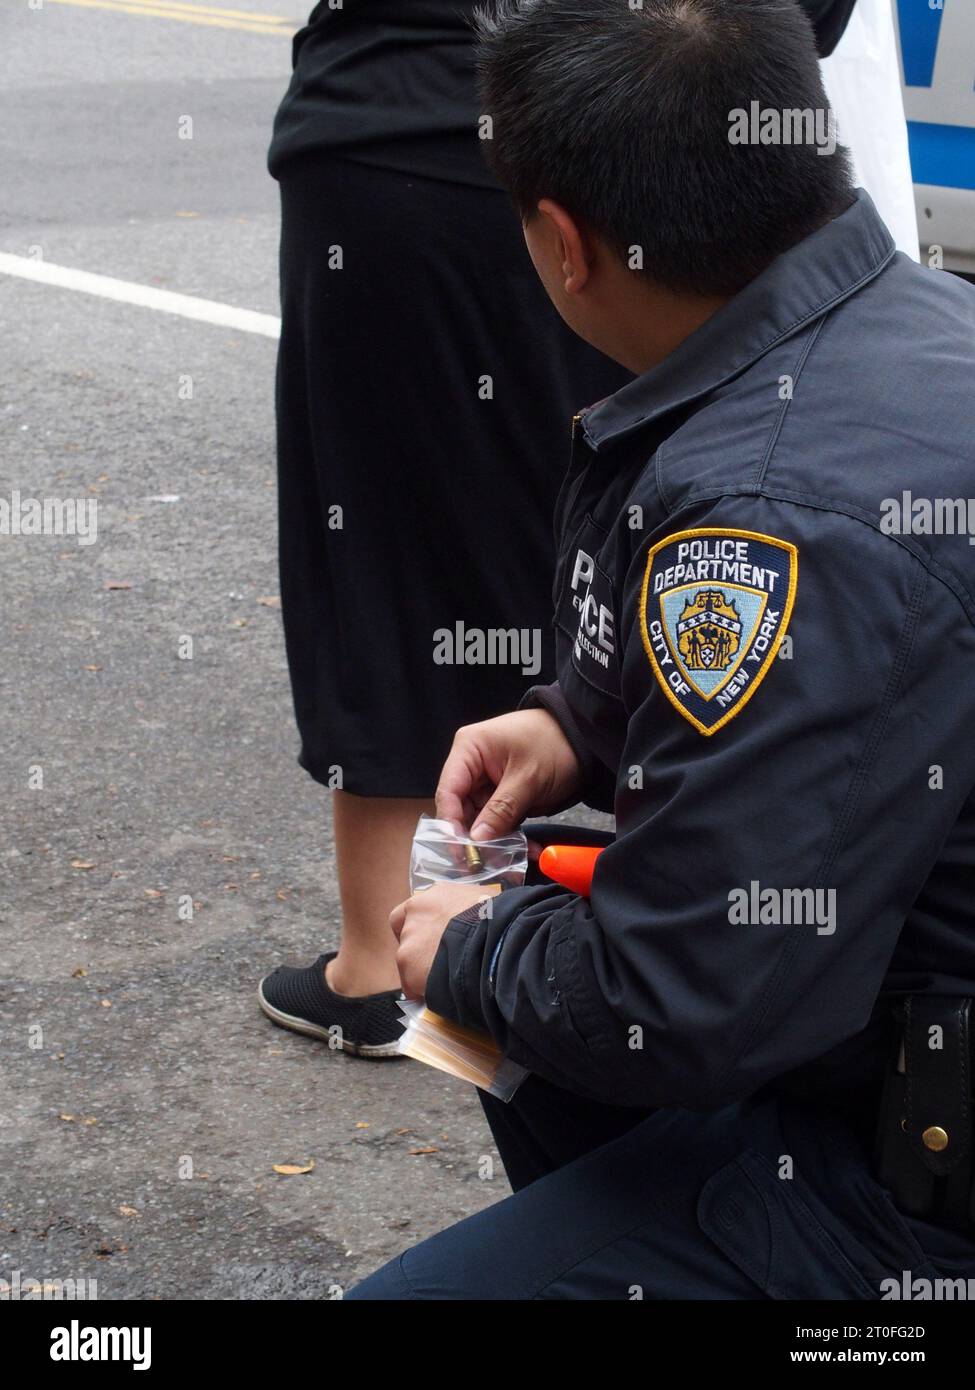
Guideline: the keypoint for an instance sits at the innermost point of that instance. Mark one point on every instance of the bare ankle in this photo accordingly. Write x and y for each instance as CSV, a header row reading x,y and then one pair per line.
x,y
354,979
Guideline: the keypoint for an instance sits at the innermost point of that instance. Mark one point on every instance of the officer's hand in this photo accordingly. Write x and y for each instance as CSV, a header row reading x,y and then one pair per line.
x,y
420,922
505,769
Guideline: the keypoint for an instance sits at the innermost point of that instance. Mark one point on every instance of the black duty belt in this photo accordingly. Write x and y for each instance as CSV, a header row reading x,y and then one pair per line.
x,y
924,1132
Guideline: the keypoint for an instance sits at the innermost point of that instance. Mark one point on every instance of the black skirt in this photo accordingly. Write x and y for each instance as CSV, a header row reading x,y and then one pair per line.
x,y
425,390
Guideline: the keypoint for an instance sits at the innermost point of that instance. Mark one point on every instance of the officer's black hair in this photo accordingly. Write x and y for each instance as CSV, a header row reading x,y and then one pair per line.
x,y
622,116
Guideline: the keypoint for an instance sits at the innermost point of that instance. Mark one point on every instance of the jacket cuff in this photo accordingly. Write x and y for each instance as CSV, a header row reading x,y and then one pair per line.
x,y
453,990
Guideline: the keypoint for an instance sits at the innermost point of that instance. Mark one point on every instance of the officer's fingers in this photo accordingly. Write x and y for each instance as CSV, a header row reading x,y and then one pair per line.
x,y
462,773
397,919
478,799
505,810
471,805
452,807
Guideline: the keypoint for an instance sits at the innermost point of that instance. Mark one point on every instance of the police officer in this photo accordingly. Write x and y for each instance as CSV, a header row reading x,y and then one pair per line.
x,y
749,1047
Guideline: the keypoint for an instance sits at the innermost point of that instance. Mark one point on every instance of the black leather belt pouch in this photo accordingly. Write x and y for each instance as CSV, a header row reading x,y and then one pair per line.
x,y
924,1131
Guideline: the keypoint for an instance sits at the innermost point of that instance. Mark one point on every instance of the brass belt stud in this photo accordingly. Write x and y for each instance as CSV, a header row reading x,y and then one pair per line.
x,y
935,1138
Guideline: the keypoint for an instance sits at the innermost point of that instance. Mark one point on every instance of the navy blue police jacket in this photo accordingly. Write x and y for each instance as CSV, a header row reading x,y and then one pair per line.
x,y
766,663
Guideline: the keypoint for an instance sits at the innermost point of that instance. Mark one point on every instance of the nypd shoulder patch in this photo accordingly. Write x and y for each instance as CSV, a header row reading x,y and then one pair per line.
x,y
714,608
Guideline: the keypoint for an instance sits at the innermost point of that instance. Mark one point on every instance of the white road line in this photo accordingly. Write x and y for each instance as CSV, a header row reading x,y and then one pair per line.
x,y
186,306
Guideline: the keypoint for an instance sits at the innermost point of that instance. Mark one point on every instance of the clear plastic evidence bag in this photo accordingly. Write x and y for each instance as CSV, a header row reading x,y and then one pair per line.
x,y
441,855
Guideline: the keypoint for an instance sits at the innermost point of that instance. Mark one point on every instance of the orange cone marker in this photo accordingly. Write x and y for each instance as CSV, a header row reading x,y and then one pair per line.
x,y
570,865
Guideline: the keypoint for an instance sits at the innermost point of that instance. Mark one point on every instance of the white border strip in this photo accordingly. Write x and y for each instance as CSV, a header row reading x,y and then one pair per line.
x,y
186,306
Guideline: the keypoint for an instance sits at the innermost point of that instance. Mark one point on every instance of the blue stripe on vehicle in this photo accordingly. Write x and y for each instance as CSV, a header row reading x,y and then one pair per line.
x,y
920,26
942,154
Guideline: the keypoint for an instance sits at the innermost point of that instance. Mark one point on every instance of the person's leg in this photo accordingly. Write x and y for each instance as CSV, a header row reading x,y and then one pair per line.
x,y
359,687
742,1203
348,997
543,1128
373,836
617,1223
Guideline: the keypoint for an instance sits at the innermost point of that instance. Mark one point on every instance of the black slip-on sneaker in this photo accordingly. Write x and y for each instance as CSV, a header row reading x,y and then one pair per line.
x,y
299,999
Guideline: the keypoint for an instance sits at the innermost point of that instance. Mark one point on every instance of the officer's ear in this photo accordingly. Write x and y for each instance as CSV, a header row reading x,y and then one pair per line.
x,y
560,243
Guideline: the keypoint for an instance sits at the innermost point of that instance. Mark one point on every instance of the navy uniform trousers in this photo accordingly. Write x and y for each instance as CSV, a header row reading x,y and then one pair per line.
x,y
772,1198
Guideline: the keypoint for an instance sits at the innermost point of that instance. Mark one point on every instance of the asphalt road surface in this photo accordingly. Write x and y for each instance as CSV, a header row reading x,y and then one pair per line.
x,y
144,1100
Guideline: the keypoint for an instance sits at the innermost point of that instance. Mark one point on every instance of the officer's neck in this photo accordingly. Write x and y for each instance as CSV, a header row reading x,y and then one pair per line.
x,y
639,324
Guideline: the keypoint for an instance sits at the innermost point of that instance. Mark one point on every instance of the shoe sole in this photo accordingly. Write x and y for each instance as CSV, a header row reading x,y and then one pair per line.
x,y
373,1051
